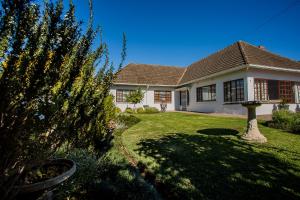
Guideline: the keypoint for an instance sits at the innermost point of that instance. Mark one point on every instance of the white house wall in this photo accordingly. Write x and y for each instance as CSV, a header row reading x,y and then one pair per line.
x,y
217,106
148,96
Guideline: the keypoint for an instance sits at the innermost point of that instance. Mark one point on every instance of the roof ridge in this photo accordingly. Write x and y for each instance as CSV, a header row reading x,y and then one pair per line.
x,y
242,50
156,65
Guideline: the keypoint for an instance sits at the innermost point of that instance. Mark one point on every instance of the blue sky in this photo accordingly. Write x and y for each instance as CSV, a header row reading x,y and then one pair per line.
x,y
178,33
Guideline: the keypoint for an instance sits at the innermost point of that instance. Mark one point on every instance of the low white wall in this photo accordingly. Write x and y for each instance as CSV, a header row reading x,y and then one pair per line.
x,y
148,96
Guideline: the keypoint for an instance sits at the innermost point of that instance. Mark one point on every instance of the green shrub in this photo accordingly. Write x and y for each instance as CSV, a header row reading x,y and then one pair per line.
x,y
110,108
140,110
287,120
129,110
118,110
282,119
87,172
295,125
151,110
127,120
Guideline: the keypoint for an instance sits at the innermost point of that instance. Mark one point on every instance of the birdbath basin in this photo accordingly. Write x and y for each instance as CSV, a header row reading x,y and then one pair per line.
x,y
253,134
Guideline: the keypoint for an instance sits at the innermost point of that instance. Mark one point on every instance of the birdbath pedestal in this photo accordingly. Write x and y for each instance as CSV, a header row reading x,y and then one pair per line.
x,y
253,134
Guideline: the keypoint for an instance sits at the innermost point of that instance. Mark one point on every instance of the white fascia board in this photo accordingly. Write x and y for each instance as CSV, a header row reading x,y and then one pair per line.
x,y
273,68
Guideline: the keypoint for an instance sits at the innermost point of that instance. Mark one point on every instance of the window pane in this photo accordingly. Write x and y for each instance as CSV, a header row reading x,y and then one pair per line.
x,y
205,93
273,90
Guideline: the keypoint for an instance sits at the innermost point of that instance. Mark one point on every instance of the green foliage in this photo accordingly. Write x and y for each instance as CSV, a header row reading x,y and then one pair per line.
x,y
283,105
150,110
51,92
129,110
135,96
295,125
282,118
110,108
110,176
87,166
127,120
140,110
287,120
118,110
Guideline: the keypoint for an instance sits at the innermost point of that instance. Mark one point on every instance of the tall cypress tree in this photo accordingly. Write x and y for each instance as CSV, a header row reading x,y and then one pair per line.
x,y
50,91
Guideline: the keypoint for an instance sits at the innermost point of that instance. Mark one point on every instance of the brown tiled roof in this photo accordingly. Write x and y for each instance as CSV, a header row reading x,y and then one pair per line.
x,y
237,54
255,55
150,74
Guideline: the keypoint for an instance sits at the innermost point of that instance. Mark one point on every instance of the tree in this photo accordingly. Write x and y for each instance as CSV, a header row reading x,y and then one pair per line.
x,y
135,96
50,91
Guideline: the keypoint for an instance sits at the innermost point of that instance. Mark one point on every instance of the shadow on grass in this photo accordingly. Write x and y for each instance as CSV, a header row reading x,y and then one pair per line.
x,y
202,167
218,131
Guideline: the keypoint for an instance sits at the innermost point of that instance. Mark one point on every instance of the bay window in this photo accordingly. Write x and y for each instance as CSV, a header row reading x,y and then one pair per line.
x,y
265,90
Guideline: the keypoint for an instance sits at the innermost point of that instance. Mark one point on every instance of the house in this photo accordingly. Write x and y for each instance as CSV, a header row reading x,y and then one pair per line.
x,y
217,83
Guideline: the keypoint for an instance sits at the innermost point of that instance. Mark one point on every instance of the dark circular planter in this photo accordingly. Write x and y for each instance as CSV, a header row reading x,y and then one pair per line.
x,y
37,189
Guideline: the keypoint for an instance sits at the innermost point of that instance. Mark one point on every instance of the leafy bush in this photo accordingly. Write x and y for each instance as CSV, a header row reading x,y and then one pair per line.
x,y
127,120
87,166
118,110
140,110
287,120
151,110
295,125
110,108
135,96
283,105
129,110
282,119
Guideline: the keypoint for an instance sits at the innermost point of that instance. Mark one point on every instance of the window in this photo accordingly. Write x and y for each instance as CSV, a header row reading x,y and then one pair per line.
x,y
121,95
234,91
162,96
261,89
206,93
265,90
286,91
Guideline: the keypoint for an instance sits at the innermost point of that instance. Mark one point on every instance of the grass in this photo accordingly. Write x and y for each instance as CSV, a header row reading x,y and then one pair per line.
x,y
203,157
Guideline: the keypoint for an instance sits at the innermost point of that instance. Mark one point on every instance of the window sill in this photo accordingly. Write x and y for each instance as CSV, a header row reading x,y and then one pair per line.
x,y
206,101
232,103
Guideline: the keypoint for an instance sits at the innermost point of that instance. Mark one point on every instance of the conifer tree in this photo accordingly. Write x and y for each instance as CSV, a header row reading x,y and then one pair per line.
x,y
50,90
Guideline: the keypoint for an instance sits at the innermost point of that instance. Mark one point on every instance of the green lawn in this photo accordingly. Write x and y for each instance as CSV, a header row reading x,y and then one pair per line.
x,y
203,157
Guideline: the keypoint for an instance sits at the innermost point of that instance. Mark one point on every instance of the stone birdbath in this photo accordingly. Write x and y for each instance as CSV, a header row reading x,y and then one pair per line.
x,y
253,134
